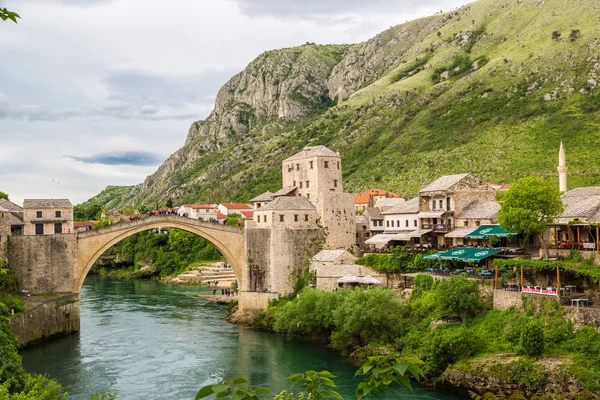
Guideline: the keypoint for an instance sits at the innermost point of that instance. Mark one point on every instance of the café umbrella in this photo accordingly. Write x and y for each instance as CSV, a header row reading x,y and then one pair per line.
x,y
369,280
349,279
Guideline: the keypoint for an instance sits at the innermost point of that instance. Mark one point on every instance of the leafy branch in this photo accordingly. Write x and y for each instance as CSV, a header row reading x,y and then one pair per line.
x,y
6,14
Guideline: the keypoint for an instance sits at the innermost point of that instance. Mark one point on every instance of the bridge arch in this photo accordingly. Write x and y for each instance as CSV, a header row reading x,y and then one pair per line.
x,y
92,244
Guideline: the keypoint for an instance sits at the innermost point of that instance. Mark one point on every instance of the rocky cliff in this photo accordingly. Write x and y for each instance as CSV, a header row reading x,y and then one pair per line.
x,y
491,89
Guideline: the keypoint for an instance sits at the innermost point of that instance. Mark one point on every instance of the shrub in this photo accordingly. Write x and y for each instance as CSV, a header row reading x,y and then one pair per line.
x,y
448,345
8,280
423,281
532,339
555,35
575,34
458,295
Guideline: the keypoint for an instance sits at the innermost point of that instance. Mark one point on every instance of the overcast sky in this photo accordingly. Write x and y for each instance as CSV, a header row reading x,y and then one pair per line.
x,y
101,92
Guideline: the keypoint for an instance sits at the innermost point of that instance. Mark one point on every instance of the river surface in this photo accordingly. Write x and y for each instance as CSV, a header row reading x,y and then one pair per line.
x,y
147,340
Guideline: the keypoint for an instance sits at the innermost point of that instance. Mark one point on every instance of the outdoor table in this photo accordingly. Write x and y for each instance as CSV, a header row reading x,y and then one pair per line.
x,y
569,288
578,301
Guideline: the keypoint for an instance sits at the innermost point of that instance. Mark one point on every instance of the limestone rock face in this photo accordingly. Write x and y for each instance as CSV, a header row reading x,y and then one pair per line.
x,y
368,61
283,84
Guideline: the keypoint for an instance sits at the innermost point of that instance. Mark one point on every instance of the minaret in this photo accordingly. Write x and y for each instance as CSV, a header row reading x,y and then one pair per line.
x,y
562,169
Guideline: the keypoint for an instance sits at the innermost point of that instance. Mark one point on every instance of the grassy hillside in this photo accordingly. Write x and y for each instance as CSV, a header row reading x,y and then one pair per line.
x,y
534,85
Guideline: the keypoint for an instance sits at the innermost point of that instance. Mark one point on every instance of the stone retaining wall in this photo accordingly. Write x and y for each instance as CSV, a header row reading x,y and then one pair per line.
x,y
54,317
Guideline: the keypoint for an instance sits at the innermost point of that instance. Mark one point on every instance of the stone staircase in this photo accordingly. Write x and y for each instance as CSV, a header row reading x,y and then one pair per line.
x,y
208,275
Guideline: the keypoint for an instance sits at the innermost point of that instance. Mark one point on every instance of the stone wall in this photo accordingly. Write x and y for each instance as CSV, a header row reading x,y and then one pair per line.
x,y
4,223
273,255
43,263
55,317
339,219
252,302
504,299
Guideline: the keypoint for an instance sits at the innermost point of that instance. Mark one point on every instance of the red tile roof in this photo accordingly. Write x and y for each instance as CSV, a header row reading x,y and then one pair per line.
x,y
247,214
237,206
221,216
364,197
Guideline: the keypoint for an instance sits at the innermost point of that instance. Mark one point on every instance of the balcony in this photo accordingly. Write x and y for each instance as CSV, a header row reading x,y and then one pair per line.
x,y
438,227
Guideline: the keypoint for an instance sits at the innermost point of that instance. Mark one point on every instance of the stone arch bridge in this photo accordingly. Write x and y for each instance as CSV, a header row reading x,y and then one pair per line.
x,y
229,240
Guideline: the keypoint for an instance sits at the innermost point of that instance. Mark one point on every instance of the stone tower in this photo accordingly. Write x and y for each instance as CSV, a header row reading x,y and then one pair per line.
x,y
562,169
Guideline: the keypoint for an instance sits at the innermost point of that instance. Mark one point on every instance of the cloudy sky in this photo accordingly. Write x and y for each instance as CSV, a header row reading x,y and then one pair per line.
x,y
100,92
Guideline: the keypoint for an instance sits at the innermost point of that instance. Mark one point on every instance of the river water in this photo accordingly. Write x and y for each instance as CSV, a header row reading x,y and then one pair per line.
x,y
147,340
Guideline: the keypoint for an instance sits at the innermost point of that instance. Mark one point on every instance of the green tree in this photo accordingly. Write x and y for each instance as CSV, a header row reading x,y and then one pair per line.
x,y
3,195
6,14
528,207
169,203
458,295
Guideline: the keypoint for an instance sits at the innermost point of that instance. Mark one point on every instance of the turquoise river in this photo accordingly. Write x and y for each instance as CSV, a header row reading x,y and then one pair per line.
x,y
146,340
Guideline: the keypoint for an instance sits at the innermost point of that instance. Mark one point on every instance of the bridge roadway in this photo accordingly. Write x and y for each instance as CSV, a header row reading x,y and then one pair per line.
x,y
93,243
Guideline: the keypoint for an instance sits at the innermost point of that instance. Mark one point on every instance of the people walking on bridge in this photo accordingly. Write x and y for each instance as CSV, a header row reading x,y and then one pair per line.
x,y
214,290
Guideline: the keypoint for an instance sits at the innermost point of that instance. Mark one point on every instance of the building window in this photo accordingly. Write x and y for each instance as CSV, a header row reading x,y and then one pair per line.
x,y
306,217
308,196
290,168
57,214
415,223
447,203
294,183
335,183
311,164
387,224
297,167
295,218
281,218
338,163
466,224
58,228
364,227
265,218
39,229
307,182
406,223
38,214
433,205
441,204
300,184
477,223
326,164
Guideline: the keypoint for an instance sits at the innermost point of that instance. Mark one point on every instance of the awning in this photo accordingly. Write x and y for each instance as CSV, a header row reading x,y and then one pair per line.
x,y
456,254
464,254
479,254
484,231
431,214
385,238
419,232
369,280
459,232
349,279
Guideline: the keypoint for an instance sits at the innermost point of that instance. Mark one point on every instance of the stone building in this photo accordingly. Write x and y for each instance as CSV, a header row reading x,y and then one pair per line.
x,y
261,200
362,231
47,216
442,200
287,212
233,208
316,174
476,214
330,265
369,197
205,212
4,222
16,216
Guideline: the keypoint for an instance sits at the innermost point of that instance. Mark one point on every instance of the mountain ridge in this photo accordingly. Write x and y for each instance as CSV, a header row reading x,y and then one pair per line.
x,y
515,89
